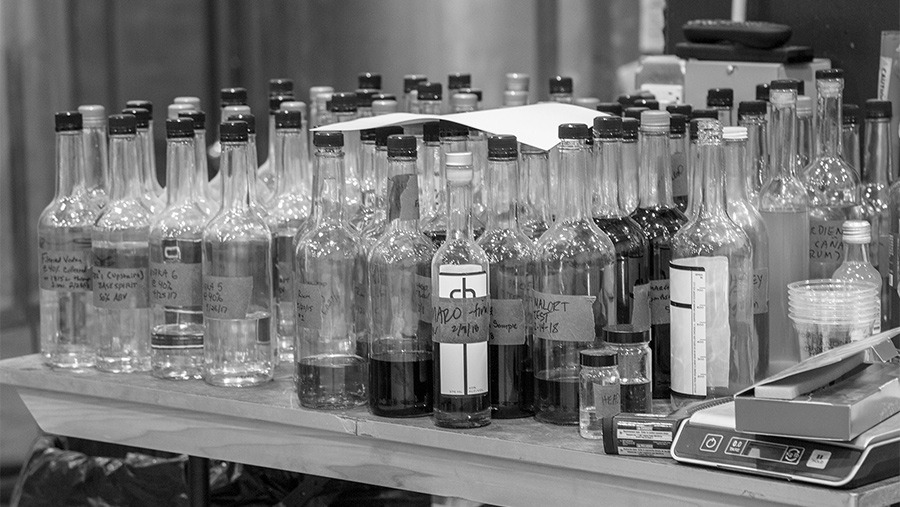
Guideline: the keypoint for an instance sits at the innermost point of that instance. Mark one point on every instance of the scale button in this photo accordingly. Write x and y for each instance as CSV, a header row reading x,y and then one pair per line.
x,y
793,455
818,459
711,442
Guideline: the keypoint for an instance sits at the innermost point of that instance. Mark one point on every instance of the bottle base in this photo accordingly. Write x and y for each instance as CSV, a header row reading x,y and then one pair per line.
x,y
401,413
123,364
71,362
510,413
460,421
244,379
177,373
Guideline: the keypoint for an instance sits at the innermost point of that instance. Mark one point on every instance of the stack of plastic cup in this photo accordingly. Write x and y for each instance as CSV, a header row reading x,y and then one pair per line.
x,y
830,313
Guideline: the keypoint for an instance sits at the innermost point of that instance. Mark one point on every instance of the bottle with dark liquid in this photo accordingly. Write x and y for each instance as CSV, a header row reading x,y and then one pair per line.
x,y
660,220
330,284
461,318
511,257
400,360
535,215
574,285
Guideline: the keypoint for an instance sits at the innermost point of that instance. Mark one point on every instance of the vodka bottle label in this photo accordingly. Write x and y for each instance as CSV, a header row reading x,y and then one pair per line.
x,y
760,291
121,288
507,322
68,270
462,308
310,305
826,241
283,269
423,298
659,302
404,198
563,318
227,297
177,280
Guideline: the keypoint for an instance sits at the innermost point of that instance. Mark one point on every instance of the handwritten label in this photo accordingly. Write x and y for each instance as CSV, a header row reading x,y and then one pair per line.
x,y
563,318
679,175
461,320
760,291
659,302
640,308
825,245
176,284
121,288
507,322
404,198
227,297
68,270
310,305
283,268
423,299
607,400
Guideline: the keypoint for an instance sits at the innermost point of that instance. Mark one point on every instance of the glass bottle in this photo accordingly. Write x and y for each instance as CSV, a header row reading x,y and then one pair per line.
x,y
330,284
176,288
286,216
265,175
96,171
256,188
631,290
237,274
305,177
831,184
850,137
753,116
856,265
453,137
745,216
377,220
344,108
783,204
460,298
315,105
632,346
200,191
600,396
517,82
429,98
535,215
894,255
384,106
431,190
364,102
660,220
150,190
693,163
722,101
574,285
64,241
121,258
511,256
410,92
369,182
679,150
714,349
512,98
806,143
400,355
628,174
561,89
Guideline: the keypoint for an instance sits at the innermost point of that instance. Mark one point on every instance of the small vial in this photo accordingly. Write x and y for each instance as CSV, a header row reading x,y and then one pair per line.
x,y
632,346
600,395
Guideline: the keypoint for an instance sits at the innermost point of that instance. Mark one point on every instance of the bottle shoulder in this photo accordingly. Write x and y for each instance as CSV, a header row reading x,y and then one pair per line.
x,y
69,211
236,225
123,214
329,239
659,223
575,240
709,236
460,251
503,245
401,248
858,271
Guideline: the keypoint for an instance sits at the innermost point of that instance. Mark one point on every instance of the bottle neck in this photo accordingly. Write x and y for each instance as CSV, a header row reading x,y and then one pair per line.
x,y
736,170
459,211
238,188
607,159
535,167
429,106
712,196
96,172
201,172
273,133
403,192
381,174
757,150
148,171
69,162
784,124
828,135
288,160
179,170
856,252
435,169
502,193
572,187
124,167
878,160
654,181
328,179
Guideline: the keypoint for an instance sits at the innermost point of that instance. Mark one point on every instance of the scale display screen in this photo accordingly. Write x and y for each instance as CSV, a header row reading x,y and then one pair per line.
x,y
763,450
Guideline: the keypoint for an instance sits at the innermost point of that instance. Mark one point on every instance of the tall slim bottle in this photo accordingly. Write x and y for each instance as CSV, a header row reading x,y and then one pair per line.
x,y
783,204
431,190
151,192
265,175
742,212
364,102
722,101
511,259
806,140
660,220
535,213
121,259
429,98
714,348
176,288
461,300
64,243
850,138
202,194
377,220
831,184
237,274
628,172
96,168
753,116
574,283
561,89
679,152
368,183
400,354
453,137
410,92
330,283
344,108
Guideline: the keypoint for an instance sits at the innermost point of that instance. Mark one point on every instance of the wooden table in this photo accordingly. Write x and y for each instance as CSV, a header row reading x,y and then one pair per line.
x,y
512,462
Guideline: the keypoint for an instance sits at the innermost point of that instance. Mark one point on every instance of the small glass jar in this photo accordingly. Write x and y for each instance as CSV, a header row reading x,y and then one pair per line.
x,y
599,395
632,346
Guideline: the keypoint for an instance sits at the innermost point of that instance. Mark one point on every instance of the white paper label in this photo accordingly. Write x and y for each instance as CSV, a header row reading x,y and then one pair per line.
x,y
464,353
470,358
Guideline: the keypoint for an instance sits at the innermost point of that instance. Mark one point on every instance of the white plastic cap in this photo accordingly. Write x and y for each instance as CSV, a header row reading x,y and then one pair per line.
x,y
588,102
465,100
316,90
193,101
459,167
384,107
515,98
293,105
858,232
804,105
92,115
734,133
174,109
516,81
235,110
655,120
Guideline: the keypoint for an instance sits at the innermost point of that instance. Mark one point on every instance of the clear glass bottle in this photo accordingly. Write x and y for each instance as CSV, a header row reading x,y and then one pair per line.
x,y
806,143
894,255
96,168
628,174
368,183
722,101
364,102
631,289
831,184
306,172
679,152
745,216
287,215
410,92
535,215
783,204
429,98
693,163
461,301
753,116
660,219
632,346
400,355
574,285
850,137
151,192
64,242
856,265
176,287
256,188
330,283
600,391
344,108
316,105
561,89
377,220
265,175
512,98
517,81
202,195
237,274
431,191
511,258
713,346
121,258
453,137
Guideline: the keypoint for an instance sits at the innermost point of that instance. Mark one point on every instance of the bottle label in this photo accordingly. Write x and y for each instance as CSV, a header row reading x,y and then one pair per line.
x,y
464,368
760,291
607,400
283,268
825,241
310,305
227,297
507,322
679,175
176,281
462,308
121,288
423,298
404,198
659,302
68,270
640,309
563,318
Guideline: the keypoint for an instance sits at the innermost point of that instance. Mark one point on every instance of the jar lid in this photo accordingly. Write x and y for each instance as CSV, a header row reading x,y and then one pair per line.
x,y
626,333
599,358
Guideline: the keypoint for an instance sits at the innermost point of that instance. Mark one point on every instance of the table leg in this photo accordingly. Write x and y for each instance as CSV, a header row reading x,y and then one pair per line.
x,y
198,481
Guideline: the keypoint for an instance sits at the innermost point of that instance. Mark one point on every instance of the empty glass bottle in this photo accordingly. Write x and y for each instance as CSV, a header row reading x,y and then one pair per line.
x,y
561,89
831,184
257,190
453,137
679,152
200,191
856,265
431,195
511,257
330,284
535,215
369,182
64,242
265,175
176,288
460,298
714,348
364,102
628,172
400,358
96,171
317,106
410,92
574,283
151,192
722,101
121,258
344,108
850,137
806,142
377,219
429,97
753,115
237,274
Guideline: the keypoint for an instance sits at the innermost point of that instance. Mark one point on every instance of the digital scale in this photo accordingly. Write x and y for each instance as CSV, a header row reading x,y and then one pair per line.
x,y
708,438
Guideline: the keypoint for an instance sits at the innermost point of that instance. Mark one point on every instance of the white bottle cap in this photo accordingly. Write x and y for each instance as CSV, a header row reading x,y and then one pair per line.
x,y
655,120
384,107
293,105
734,133
459,167
193,101
857,232
174,109
804,105
515,98
316,90
469,100
518,82
234,110
92,115
588,102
